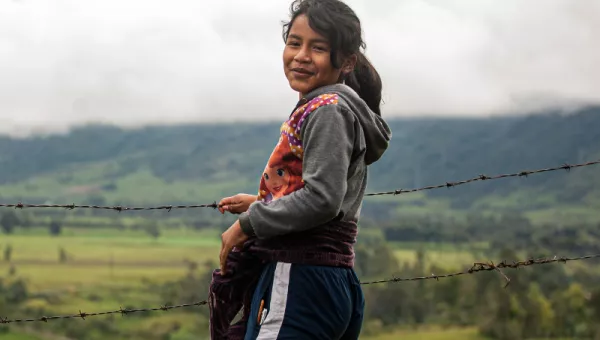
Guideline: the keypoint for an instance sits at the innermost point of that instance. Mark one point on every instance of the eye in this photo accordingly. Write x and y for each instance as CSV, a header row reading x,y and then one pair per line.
x,y
266,176
280,172
320,48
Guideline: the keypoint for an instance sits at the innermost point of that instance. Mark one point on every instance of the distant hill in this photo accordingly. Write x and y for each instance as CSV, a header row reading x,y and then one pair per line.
x,y
201,163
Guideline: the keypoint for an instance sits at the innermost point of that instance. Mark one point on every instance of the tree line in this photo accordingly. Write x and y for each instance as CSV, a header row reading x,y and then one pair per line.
x,y
541,302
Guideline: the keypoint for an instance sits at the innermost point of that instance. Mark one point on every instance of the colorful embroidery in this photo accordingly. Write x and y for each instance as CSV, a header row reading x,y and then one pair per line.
x,y
283,173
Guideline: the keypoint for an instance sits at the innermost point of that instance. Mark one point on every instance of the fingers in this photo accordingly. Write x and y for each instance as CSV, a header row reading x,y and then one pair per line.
x,y
234,204
225,250
232,237
237,208
225,203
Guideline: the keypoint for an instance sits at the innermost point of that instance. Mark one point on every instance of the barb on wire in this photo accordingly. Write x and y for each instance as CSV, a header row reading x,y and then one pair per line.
x,y
482,267
20,205
83,315
477,267
214,205
525,173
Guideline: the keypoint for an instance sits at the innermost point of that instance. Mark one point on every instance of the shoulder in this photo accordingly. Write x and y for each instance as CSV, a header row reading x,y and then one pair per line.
x,y
325,109
315,104
327,115
329,103
328,106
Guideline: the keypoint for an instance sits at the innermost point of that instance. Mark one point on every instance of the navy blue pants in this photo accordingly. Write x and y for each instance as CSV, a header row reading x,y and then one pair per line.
x,y
294,301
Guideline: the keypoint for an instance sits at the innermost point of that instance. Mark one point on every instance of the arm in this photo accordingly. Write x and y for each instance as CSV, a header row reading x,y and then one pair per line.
x,y
328,140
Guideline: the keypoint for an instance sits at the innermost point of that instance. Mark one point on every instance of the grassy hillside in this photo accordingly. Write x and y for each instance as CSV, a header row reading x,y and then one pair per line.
x,y
201,163
101,260
106,269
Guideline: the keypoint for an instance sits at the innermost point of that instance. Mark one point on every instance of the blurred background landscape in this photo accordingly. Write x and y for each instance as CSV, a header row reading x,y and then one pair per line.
x,y
57,261
151,102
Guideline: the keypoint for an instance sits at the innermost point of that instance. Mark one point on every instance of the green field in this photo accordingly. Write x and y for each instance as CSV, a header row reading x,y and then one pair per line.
x,y
423,334
449,334
106,257
107,269
429,334
444,258
18,336
141,186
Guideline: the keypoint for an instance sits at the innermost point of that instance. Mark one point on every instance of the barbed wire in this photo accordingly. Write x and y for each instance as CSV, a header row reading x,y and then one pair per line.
x,y
481,267
84,315
214,205
20,205
477,267
525,173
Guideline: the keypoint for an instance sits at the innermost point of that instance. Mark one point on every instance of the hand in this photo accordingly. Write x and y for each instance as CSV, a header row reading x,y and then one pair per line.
x,y
232,237
236,204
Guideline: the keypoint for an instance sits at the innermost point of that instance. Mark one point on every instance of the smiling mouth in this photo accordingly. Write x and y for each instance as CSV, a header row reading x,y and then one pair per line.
x,y
302,71
276,189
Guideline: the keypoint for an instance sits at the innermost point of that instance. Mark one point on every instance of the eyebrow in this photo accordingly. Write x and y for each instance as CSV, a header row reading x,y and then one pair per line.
x,y
324,41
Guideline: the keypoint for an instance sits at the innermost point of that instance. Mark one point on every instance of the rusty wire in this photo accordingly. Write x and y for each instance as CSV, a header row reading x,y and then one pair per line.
x,y
525,173
84,315
214,205
117,208
482,267
475,268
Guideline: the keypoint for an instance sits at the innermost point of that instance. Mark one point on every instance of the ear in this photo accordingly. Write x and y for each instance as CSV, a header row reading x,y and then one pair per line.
x,y
349,64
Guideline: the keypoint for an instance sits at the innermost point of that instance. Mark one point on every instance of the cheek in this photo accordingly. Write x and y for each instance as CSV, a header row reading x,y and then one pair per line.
x,y
326,70
287,56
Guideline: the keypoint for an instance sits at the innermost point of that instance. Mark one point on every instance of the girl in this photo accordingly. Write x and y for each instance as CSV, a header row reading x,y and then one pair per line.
x,y
288,262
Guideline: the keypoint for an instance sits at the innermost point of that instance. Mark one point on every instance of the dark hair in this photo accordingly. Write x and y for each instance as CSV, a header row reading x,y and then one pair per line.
x,y
337,22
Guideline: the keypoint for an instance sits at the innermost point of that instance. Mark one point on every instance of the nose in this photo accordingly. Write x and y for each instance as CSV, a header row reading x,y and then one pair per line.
x,y
303,55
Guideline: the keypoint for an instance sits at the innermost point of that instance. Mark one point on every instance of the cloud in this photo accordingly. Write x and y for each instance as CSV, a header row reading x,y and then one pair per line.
x,y
134,62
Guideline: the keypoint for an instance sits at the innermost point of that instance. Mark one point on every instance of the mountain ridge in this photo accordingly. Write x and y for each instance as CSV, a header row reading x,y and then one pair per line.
x,y
189,163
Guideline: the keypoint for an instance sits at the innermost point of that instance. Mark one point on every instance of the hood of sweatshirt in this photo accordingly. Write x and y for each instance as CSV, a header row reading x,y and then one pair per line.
x,y
376,131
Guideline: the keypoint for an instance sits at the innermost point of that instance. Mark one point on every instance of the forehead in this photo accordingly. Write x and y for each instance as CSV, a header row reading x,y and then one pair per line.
x,y
301,30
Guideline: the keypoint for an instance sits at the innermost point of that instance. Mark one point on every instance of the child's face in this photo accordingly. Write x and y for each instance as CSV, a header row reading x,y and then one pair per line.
x,y
306,58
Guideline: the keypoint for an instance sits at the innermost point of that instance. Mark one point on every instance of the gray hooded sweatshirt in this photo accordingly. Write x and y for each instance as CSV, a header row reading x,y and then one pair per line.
x,y
338,141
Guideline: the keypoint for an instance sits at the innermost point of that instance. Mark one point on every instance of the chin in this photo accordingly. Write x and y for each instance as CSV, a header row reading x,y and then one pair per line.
x,y
301,88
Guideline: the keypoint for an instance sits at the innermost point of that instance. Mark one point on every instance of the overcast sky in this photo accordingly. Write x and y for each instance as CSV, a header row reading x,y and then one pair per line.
x,y
133,62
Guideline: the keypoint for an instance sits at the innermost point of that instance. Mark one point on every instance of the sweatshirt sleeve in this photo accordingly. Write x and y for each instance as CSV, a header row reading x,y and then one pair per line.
x,y
328,140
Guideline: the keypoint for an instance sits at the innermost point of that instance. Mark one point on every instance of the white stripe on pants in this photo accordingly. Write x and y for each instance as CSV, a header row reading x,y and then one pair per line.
x,y
272,323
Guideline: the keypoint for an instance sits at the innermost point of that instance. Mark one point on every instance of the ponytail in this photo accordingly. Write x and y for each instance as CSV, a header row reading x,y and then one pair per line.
x,y
365,80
